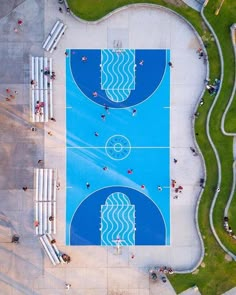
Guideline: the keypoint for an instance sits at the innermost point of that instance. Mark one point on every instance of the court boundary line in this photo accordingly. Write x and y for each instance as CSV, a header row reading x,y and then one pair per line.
x,y
147,147
72,216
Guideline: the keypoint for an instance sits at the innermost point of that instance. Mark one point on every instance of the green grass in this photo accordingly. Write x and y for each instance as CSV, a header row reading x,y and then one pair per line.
x,y
218,275
222,28
95,9
221,25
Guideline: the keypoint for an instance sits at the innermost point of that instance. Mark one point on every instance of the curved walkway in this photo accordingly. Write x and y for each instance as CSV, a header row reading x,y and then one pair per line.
x,y
211,141
233,34
195,4
232,191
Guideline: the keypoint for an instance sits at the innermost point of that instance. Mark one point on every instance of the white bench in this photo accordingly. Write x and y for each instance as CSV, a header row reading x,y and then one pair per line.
x,y
41,89
51,249
54,36
45,201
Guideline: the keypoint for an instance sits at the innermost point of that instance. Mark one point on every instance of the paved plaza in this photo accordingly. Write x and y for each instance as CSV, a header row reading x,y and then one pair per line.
x,y
24,267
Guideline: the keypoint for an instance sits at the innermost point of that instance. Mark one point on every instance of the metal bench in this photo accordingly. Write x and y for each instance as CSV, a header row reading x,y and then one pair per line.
x,y
50,249
41,89
45,201
54,36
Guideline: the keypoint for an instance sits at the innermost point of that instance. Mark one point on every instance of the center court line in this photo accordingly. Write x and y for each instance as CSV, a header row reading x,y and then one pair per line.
x,y
110,147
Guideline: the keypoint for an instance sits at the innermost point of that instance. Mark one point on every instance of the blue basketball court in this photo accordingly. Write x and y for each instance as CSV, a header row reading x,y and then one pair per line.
x,y
117,147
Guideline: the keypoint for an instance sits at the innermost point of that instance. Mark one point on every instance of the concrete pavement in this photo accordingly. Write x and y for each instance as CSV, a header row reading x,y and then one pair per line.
x,y
195,4
93,270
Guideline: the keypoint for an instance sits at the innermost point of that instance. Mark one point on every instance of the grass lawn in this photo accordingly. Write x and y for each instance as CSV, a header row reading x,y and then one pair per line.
x,y
95,9
224,145
222,28
216,275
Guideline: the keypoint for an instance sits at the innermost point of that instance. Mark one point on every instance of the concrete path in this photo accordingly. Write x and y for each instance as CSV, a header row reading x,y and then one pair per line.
x,y
191,291
93,270
195,4
230,292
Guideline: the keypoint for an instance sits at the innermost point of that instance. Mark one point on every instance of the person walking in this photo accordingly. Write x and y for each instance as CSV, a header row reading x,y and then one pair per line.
x,y
68,286
134,112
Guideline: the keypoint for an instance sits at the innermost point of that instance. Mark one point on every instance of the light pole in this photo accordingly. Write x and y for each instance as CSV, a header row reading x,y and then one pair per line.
x,y
218,9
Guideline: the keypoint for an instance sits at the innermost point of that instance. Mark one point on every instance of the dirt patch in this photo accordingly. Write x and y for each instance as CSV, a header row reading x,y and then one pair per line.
x,y
176,2
195,272
228,258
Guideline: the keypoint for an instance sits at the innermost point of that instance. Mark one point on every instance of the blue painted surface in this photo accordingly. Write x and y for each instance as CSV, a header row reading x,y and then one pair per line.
x,y
147,133
117,220
85,227
148,76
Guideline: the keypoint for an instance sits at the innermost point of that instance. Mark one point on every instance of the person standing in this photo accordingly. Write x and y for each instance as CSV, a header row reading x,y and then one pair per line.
x,y
134,112
88,185
68,286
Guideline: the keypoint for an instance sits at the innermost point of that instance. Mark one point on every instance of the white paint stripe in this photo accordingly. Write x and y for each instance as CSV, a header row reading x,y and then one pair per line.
x,y
102,147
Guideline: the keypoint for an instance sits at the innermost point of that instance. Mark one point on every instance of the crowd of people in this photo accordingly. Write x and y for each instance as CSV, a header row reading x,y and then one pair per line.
x,y
160,273
39,107
10,94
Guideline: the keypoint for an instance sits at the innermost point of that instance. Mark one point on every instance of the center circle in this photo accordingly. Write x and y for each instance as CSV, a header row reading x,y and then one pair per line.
x,y
117,147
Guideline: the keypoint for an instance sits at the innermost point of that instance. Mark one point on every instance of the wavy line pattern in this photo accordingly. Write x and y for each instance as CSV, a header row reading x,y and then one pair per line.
x,y
118,95
118,73
117,220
